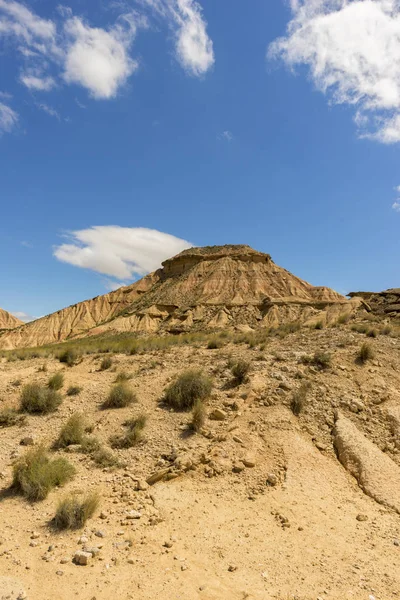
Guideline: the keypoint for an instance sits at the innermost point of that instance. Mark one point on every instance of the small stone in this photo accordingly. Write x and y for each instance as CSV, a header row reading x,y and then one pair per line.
x,y
82,558
218,414
272,479
142,485
238,468
232,568
35,535
59,572
131,561
94,551
103,515
168,544
249,461
133,514
396,542
158,476
361,517
27,441
237,439
100,534
83,540
64,560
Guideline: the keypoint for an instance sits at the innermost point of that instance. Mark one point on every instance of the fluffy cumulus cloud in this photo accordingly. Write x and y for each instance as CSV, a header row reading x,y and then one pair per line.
x,y
69,50
119,252
193,46
351,48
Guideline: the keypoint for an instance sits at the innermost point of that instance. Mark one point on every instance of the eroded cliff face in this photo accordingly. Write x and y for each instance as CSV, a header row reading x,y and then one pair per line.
x,y
386,303
8,321
200,288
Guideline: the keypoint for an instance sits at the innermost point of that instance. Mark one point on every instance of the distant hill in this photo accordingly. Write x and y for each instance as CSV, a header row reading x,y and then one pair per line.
x,y
8,321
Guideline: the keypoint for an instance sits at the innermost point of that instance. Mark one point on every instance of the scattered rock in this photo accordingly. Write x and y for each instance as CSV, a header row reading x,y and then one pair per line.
x,y
82,558
218,414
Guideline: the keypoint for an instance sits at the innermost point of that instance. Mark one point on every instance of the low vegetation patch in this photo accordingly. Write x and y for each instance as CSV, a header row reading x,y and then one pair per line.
x,y
120,395
72,433
68,356
56,381
299,398
133,435
10,417
35,474
187,388
215,343
198,416
36,398
365,353
321,360
240,371
123,376
104,458
74,390
387,330
73,511
372,333
106,363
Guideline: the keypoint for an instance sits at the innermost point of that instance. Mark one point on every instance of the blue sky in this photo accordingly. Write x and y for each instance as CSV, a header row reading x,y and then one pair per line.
x,y
207,123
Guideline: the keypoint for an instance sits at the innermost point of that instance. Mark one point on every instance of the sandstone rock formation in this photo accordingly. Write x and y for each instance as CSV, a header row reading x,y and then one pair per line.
x,y
8,321
200,288
386,303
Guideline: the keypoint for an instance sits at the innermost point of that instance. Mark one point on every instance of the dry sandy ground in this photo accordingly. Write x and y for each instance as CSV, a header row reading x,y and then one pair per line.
x,y
213,533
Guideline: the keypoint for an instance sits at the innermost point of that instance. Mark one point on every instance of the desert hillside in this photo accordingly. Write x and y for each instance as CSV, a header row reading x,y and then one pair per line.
x,y
8,321
283,482
216,287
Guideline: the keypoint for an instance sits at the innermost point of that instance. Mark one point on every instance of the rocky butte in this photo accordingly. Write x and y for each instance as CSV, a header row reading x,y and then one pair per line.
x,y
230,286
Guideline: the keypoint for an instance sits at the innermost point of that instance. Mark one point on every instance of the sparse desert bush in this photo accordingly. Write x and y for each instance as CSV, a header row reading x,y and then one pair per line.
x,y
103,457
320,359
360,327
42,369
365,353
90,444
344,318
106,363
123,376
73,511
133,435
299,398
215,343
10,417
372,333
387,330
73,432
189,387
36,398
56,381
69,357
198,416
74,390
319,325
120,395
240,370
35,474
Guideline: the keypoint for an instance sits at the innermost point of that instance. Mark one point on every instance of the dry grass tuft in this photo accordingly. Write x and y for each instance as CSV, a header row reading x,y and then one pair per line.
x,y
120,396
36,398
187,388
56,381
73,511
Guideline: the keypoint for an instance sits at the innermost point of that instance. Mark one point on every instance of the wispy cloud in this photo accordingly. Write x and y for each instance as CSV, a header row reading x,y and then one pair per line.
x,y
8,118
226,136
352,50
193,46
23,316
37,83
120,252
396,206
49,110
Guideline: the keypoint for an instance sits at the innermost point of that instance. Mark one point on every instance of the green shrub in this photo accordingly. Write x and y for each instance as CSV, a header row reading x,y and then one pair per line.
x,y
365,353
73,432
133,435
35,474
10,417
68,357
73,511
189,387
36,398
299,398
120,395
56,381
198,416
74,390
321,360
103,457
240,371
215,343
106,363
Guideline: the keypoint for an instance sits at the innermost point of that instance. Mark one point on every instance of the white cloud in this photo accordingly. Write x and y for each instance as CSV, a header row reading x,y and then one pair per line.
x,y
111,284
120,252
33,82
16,19
351,48
49,110
194,48
396,206
397,188
226,135
97,59
23,316
8,118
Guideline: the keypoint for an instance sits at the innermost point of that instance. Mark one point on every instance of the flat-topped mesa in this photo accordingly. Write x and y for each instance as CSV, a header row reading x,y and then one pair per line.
x,y
192,256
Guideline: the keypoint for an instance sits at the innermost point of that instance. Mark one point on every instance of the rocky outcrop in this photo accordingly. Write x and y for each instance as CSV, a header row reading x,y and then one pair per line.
x,y
376,473
386,303
8,321
200,288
